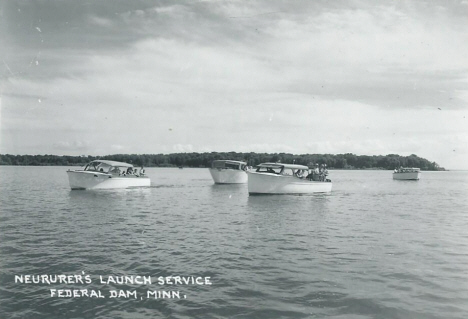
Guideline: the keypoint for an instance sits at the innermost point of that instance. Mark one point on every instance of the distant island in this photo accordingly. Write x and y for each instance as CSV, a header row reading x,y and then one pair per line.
x,y
333,161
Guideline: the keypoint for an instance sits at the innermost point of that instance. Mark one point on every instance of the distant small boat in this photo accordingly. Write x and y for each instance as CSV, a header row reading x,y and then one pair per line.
x,y
278,178
407,173
228,172
181,167
103,174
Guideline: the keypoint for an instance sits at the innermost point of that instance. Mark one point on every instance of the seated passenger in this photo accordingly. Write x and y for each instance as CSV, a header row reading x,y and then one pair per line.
x,y
300,173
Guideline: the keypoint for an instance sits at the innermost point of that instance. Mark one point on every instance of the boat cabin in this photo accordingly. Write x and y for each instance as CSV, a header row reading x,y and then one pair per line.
x,y
407,170
283,169
109,167
227,164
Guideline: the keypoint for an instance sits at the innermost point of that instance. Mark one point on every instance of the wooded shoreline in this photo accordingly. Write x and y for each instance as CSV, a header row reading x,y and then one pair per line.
x,y
337,161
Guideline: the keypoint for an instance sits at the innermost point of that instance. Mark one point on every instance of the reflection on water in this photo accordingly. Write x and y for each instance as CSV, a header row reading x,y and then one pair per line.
x,y
218,190
110,195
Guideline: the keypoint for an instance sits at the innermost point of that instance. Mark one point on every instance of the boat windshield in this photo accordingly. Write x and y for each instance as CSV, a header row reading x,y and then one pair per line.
x,y
226,164
98,167
272,170
232,166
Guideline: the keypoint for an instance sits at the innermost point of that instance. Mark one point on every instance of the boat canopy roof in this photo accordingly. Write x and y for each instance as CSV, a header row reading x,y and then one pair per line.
x,y
280,165
112,163
408,169
222,163
229,161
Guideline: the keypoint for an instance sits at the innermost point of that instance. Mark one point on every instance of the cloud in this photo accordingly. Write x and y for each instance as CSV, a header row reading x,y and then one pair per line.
x,y
100,21
179,148
249,76
117,147
382,55
72,145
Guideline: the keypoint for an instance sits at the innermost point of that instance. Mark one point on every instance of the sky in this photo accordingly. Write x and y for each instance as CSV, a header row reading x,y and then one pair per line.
x,y
365,77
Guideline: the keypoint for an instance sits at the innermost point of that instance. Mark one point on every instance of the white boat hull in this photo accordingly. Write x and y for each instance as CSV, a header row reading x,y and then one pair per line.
x,y
228,176
265,183
407,176
97,180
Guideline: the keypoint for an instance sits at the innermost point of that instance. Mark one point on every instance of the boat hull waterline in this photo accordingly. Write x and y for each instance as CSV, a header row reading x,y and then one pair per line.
x,y
228,176
264,183
97,180
407,176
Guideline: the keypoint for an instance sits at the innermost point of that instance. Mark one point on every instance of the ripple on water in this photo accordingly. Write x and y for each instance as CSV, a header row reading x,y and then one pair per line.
x,y
373,248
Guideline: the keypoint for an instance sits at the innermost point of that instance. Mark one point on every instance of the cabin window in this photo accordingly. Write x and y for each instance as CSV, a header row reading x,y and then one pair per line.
x,y
91,167
98,167
104,168
272,170
225,165
218,165
115,171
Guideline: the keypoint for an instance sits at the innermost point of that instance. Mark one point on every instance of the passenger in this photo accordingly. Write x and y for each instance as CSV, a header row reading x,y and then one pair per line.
x,y
316,173
129,171
325,172
142,171
300,173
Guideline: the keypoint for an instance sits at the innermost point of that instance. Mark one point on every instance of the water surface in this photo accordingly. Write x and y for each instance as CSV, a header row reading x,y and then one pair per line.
x,y
372,248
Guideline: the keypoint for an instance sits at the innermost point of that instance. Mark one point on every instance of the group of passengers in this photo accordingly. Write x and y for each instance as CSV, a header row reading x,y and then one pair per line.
x,y
318,173
129,172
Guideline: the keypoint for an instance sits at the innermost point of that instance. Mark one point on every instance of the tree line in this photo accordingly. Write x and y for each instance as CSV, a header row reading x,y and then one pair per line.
x,y
336,161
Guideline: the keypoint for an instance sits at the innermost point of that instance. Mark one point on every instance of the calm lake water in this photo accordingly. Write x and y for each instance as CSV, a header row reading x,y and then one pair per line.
x,y
372,248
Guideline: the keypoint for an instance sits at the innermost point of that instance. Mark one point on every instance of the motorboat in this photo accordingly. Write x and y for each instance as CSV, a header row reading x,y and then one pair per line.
x,y
228,172
279,178
103,174
407,173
